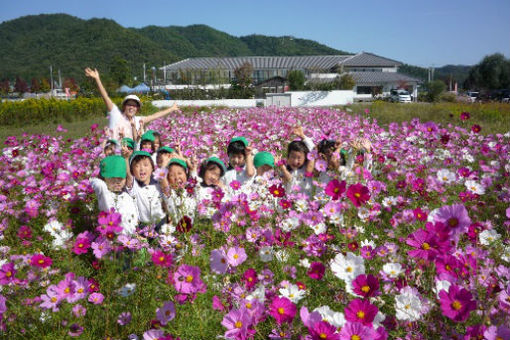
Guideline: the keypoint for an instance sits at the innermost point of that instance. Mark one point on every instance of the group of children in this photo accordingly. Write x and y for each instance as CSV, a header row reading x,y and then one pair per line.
x,y
127,180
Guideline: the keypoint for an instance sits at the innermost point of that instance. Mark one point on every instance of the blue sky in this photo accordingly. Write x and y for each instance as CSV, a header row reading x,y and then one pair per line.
x,y
424,33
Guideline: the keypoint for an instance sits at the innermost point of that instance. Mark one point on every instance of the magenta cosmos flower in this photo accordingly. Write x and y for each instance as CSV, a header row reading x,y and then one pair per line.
x,y
335,189
187,280
282,309
161,259
358,194
250,278
81,245
7,273
366,285
455,217
96,298
457,303
41,261
323,331
361,311
316,271
358,331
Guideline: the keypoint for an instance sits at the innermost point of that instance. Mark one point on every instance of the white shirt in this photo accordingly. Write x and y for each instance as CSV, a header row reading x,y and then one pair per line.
x,y
118,122
180,205
299,180
149,201
232,175
123,204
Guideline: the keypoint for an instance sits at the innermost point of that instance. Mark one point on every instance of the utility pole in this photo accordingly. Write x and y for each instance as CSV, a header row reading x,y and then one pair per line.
x,y
59,79
164,72
51,80
144,73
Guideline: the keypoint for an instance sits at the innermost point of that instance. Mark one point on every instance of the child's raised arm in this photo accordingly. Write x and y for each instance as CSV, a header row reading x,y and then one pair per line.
x,y
126,153
94,74
248,155
286,175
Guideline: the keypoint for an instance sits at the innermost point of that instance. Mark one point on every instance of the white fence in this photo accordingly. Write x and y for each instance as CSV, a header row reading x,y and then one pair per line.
x,y
218,102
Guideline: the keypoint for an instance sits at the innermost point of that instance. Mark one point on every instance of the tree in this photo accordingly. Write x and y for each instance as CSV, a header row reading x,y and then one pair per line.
x,y
119,71
243,75
20,86
4,87
493,72
296,80
71,84
35,86
436,88
344,82
45,85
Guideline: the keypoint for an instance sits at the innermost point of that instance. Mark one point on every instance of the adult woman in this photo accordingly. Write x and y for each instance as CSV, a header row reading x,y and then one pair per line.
x,y
125,123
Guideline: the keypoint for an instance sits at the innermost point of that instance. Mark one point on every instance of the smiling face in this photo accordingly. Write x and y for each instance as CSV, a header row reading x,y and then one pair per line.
x,y
236,160
176,176
261,170
130,108
212,175
162,159
142,169
296,159
115,184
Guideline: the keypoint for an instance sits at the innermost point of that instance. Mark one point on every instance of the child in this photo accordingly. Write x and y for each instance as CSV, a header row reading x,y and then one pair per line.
x,y
126,121
164,154
129,143
144,188
297,164
147,142
211,172
263,162
111,193
157,139
178,201
240,159
110,147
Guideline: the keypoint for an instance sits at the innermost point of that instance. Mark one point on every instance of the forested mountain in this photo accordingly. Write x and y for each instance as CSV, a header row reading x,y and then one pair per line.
x,y
31,44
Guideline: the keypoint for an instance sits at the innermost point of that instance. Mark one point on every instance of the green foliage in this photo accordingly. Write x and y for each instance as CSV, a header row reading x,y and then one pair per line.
x,y
20,86
286,45
120,72
435,89
448,97
492,73
296,80
344,82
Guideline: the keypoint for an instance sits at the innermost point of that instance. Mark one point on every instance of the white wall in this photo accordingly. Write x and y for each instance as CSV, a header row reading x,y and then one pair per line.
x,y
218,102
321,98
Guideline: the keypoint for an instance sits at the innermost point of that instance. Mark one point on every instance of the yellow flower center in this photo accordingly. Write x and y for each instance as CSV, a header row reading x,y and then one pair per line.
x,y
53,299
41,261
281,311
365,289
248,305
189,278
358,195
456,305
355,337
67,290
360,314
336,191
236,256
161,258
425,246
348,269
323,336
238,324
8,274
276,192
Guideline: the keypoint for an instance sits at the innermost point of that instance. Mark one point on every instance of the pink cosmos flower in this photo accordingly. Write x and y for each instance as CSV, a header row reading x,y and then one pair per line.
x,y
282,310
358,194
24,232
238,324
309,319
357,330
51,299
124,318
457,303
277,190
335,189
236,256
361,311
236,185
476,128
41,261
3,306
7,273
81,245
79,311
161,259
316,271
166,313
321,165
187,280
218,261
101,247
96,298
426,244
322,330
455,217
366,285
250,278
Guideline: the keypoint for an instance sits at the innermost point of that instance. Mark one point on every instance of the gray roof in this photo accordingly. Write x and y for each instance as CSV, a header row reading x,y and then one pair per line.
x,y
318,62
369,78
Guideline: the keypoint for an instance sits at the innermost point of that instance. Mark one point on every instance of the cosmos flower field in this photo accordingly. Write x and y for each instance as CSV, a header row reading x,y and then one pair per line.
x,y
416,248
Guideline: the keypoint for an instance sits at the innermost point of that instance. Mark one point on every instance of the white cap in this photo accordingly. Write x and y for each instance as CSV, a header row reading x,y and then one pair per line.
x,y
132,97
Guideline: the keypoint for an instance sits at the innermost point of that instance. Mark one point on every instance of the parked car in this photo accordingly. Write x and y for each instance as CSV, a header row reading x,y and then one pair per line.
x,y
400,96
473,96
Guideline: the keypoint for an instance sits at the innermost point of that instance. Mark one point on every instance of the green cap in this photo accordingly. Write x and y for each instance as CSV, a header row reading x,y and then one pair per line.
x,y
139,153
113,166
166,149
149,135
239,139
178,162
112,141
217,161
129,142
262,158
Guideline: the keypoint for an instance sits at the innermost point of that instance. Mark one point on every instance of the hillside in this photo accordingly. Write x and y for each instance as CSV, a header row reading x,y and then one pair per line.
x,y
31,44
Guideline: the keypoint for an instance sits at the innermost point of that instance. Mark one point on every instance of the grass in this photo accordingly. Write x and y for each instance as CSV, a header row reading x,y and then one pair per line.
x,y
492,117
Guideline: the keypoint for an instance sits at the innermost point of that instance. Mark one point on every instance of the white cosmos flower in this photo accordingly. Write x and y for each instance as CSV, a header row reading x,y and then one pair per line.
x,y
292,292
304,263
289,224
441,285
408,307
474,187
488,236
259,293
266,254
506,254
319,228
393,270
127,289
368,243
348,267
389,201
282,255
445,176
336,319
